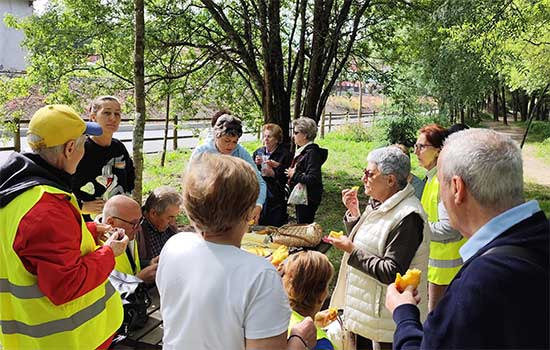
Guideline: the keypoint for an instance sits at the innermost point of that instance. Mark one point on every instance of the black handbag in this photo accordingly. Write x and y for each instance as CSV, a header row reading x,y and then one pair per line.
x,y
135,300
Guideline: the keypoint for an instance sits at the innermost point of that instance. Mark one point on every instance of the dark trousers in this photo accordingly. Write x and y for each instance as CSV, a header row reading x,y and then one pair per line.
x,y
273,216
305,214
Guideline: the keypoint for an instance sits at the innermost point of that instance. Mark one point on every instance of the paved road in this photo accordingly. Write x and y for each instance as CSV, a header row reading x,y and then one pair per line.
x,y
151,130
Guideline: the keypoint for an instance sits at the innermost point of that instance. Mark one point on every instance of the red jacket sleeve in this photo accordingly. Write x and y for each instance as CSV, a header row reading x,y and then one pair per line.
x,y
48,244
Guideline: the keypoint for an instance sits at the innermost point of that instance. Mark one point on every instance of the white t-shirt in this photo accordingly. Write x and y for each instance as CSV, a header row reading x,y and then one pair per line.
x,y
213,296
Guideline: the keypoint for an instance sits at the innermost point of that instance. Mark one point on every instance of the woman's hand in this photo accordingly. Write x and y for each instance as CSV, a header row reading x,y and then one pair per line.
x,y
258,160
350,200
268,172
290,172
342,243
273,164
256,214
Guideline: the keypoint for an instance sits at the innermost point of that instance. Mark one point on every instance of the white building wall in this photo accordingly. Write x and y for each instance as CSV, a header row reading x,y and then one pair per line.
x,y
12,55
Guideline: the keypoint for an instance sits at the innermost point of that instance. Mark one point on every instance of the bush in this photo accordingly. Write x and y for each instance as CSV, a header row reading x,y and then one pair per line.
x,y
403,129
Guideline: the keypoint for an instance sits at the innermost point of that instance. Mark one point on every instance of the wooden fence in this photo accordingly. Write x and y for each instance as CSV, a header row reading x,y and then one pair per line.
x,y
327,122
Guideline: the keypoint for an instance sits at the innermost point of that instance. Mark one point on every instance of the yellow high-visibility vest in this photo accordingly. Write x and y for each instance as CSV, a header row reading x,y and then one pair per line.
x,y
445,260
122,262
28,319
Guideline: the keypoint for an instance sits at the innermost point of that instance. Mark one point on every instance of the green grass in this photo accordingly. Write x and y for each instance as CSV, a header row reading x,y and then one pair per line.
x,y
343,169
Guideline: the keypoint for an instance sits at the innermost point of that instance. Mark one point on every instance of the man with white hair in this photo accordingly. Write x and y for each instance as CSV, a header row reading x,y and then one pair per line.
x,y
500,297
123,212
54,288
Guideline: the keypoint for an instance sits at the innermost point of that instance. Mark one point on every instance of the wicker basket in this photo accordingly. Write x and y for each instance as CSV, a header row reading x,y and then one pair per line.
x,y
296,235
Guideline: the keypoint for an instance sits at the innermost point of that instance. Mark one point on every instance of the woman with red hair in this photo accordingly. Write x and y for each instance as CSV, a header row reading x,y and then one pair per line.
x,y
445,260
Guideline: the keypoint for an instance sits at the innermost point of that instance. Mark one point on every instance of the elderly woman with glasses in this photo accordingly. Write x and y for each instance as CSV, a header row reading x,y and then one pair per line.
x,y
225,140
445,260
390,236
305,168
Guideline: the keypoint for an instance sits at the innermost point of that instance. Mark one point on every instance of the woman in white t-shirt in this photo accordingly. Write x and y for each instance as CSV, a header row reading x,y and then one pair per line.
x,y
214,295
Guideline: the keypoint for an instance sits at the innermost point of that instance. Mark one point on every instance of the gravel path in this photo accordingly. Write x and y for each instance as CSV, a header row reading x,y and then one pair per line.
x,y
535,170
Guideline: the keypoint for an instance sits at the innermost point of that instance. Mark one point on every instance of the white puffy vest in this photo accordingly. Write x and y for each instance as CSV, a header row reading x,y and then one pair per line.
x,y
362,296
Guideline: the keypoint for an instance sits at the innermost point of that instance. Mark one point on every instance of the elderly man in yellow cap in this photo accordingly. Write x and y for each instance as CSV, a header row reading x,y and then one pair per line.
x,y
54,289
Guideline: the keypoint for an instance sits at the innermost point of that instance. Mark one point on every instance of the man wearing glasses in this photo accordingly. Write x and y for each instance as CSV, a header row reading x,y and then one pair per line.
x,y
123,212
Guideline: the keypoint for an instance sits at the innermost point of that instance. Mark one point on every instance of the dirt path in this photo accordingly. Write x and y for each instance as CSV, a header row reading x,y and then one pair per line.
x,y
534,169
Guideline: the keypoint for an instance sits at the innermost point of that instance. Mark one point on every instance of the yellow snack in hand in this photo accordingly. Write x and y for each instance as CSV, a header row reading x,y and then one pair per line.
x,y
355,188
251,222
279,255
325,317
334,234
411,278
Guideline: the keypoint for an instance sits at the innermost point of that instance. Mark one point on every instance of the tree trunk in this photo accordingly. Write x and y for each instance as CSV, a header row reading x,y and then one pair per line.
x,y
462,115
504,109
166,124
175,133
360,109
515,104
300,62
523,104
139,94
495,104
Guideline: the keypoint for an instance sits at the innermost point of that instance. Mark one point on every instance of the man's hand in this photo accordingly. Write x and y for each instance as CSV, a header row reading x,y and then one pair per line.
x,y
149,273
349,198
343,243
93,207
307,331
256,214
102,232
117,241
395,299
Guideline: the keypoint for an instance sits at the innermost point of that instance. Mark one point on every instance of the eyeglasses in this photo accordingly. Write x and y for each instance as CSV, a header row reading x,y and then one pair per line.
x,y
421,146
134,224
368,173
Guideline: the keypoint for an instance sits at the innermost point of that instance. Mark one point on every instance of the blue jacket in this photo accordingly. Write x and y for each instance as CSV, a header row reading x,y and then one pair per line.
x,y
239,151
495,301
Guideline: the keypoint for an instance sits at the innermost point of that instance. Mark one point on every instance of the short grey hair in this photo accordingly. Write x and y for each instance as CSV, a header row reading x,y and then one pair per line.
x,y
307,126
50,153
392,161
488,162
228,125
161,198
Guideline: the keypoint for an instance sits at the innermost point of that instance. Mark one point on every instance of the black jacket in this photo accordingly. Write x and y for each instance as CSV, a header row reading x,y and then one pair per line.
x,y
308,171
276,185
26,170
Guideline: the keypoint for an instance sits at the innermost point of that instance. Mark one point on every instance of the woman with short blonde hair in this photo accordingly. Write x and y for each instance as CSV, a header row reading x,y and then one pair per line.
x,y
232,299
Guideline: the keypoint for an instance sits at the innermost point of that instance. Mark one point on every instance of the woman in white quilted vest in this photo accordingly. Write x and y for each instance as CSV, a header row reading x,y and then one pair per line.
x,y
390,236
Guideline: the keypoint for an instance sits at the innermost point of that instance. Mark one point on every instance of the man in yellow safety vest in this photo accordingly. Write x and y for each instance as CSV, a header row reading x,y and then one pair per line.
x,y
54,288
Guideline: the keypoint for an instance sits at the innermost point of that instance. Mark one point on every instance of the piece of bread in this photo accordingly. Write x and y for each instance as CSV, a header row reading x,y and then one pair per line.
x,y
411,278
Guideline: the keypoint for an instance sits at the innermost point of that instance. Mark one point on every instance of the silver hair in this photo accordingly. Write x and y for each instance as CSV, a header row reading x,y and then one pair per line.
x,y
391,160
161,198
489,163
306,126
228,125
50,153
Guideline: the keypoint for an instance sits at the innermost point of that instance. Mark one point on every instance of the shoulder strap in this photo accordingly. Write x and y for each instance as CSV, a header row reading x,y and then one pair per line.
x,y
517,251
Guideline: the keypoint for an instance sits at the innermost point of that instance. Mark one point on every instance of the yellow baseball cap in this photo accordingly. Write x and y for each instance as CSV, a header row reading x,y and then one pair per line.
x,y
57,124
